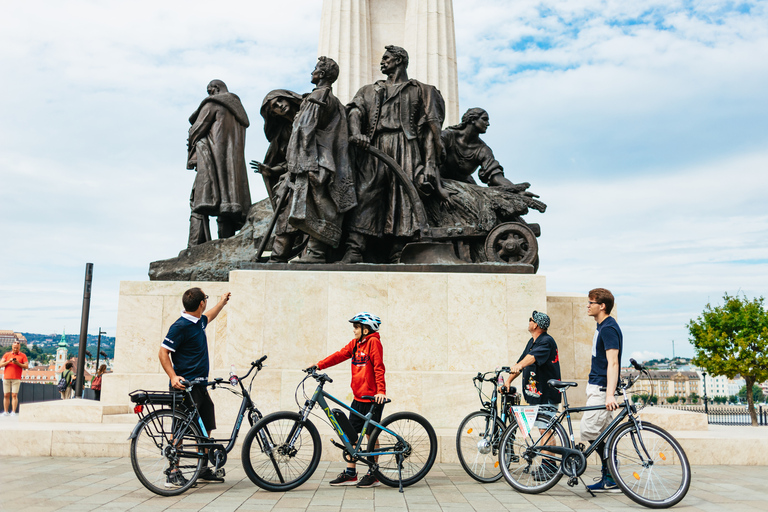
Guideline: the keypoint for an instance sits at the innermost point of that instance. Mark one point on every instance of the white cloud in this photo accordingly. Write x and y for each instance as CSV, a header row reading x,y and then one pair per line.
x,y
646,355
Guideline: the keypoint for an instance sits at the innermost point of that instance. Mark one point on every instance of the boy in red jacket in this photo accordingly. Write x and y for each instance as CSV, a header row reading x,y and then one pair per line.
x,y
367,380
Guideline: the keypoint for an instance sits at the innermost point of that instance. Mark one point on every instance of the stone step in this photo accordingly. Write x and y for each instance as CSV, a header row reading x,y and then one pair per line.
x,y
70,411
128,418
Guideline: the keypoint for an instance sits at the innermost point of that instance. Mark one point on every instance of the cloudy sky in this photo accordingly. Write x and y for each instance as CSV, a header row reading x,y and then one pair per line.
x,y
643,125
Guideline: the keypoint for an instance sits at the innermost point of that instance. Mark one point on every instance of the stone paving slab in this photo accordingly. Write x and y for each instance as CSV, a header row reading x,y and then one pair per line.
x,y
48,484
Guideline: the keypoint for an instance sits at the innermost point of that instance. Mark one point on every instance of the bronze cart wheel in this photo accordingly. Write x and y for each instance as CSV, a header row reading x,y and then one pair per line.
x,y
511,242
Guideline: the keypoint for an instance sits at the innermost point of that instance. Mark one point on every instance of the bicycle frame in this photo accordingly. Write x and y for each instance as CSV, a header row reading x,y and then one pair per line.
x,y
318,398
192,414
628,410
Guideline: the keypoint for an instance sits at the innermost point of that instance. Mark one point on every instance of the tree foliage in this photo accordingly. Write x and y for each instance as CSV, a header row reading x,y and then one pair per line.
x,y
757,393
672,399
732,340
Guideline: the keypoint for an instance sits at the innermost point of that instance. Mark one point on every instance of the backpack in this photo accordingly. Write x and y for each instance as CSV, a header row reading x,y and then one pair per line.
x,y
62,385
96,383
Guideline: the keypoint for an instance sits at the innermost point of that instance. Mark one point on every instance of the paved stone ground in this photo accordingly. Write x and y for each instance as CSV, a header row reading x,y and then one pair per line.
x,y
43,484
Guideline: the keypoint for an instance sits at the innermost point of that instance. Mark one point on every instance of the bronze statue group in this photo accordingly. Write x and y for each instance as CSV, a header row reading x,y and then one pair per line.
x,y
327,180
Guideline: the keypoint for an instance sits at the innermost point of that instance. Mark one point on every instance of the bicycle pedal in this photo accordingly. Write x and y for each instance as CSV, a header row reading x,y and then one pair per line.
x,y
573,482
220,473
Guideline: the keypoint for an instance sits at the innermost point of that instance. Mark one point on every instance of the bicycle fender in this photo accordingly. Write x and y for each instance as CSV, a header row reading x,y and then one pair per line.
x,y
135,431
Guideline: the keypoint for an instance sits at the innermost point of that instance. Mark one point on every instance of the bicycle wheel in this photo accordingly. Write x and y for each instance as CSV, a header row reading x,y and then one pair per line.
x,y
281,452
521,459
419,451
649,465
160,447
477,444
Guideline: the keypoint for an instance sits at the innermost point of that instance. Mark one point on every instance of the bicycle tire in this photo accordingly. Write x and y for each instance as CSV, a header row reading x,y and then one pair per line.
x,y
521,466
420,436
477,448
660,484
152,452
270,463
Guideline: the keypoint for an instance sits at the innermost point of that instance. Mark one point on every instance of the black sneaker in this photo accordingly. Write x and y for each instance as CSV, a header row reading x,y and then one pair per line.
x,y
368,481
345,479
209,475
176,479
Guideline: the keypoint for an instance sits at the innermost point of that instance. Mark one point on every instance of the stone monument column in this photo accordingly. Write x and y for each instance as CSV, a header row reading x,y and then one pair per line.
x,y
354,33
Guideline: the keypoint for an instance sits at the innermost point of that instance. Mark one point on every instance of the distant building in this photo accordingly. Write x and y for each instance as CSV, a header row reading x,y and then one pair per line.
x,y
720,385
7,338
61,356
666,383
45,374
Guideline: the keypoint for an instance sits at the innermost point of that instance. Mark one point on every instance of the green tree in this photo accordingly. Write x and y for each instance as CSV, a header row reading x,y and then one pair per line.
x,y
635,398
644,397
733,399
757,393
653,399
732,340
672,399
693,398
720,399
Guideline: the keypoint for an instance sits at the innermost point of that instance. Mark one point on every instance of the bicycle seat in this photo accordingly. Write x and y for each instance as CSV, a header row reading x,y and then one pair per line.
x,y
558,384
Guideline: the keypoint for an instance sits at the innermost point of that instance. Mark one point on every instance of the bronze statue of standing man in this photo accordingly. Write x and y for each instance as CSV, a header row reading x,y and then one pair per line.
x,y
318,165
403,118
216,149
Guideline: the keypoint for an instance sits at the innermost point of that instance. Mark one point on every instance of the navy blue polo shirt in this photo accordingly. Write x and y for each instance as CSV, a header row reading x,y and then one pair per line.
x,y
607,336
189,346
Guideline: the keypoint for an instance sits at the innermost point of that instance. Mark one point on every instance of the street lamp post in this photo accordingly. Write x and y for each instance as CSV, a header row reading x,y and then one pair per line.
x,y
706,408
98,348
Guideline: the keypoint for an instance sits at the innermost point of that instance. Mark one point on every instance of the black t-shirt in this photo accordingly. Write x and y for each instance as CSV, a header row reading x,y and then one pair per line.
x,y
607,336
189,346
547,366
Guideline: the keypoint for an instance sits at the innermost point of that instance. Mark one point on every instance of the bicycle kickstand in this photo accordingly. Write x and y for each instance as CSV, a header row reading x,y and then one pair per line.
x,y
399,458
587,487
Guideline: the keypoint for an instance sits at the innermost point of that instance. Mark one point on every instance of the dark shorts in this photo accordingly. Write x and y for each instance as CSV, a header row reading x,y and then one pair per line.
x,y
363,408
204,406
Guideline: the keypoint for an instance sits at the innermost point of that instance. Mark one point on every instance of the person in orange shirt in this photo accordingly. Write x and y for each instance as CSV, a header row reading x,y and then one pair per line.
x,y
13,362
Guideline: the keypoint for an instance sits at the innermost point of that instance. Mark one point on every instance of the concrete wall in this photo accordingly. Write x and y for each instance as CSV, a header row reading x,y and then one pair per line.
x,y
438,331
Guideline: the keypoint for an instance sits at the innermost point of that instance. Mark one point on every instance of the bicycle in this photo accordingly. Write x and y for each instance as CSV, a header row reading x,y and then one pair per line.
x,y
646,462
479,433
287,448
171,437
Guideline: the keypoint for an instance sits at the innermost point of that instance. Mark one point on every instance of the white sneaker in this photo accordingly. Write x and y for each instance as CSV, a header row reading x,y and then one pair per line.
x,y
13,413
6,414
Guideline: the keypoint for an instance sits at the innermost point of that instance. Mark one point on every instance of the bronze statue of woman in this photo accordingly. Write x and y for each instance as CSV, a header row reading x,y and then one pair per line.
x,y
278,109
466,151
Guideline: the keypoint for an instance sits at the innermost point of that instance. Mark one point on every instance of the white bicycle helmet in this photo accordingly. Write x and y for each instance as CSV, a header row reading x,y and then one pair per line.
x,y
372,321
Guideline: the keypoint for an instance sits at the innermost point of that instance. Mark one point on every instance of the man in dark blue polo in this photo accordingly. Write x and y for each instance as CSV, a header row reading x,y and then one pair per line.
x,y
184,355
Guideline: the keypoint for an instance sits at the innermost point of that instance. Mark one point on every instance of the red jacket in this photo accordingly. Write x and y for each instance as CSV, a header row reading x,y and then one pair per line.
x,y
367,366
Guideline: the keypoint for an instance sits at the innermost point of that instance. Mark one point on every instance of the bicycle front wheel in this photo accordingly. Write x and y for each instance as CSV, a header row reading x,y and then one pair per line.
x,y
281,452
524,461
163,446
477,444
649,465
419,450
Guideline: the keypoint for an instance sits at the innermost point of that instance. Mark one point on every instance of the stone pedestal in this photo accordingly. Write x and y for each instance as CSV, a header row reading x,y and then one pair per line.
x,y
438,330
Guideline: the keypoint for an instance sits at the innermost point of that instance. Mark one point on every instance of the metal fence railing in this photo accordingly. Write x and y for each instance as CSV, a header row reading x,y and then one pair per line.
x,y
726,415
35,392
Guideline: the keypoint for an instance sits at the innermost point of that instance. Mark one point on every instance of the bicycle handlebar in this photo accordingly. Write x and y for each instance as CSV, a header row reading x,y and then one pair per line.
x,y
320,377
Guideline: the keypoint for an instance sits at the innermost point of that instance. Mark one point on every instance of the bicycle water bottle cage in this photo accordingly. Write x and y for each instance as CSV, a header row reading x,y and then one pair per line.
x,y
345,425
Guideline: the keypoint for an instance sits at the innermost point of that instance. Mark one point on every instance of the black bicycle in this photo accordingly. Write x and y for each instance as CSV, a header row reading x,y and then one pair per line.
x,y
282,451
170,444
479,434
647,463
